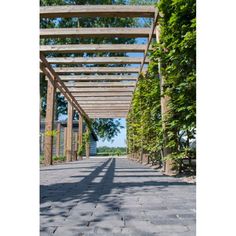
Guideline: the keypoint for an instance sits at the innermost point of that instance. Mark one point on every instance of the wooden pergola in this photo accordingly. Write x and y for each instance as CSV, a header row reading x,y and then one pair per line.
x,y
93,92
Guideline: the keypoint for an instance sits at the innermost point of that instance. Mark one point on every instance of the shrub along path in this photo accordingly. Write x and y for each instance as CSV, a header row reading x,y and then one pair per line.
x,y
114,196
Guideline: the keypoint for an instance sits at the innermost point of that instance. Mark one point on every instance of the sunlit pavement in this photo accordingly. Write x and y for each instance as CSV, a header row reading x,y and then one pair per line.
x,y
114,196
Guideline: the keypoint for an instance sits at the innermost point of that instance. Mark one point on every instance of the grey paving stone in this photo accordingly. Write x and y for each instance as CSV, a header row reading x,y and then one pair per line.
x,y
105,196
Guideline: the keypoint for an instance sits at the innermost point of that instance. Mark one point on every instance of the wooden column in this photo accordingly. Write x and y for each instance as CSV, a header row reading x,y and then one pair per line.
x,y
87,143
69,133
80,135
48,142
142,131
65,136
58,140
168,165
75,150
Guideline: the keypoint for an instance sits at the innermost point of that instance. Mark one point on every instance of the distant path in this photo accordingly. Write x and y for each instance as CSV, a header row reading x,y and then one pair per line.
x,y
114,196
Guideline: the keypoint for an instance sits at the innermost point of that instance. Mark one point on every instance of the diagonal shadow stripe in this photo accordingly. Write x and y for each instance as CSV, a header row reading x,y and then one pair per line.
x,y
68,191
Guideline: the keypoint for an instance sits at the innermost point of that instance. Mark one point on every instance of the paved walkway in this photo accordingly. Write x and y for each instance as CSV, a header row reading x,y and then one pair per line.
x,y
114,196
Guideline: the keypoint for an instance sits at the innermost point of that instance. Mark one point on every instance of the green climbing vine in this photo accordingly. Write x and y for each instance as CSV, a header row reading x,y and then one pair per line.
x,y
85,139
177,53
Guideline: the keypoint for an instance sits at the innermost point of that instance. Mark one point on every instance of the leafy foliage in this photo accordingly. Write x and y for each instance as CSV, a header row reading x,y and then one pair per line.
x,y
107,128
177,54
110,151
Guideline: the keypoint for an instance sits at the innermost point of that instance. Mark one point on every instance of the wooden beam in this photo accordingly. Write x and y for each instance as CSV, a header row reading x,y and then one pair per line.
x,y
103,102
111,115
99,84
69,133
102,99
100,106
97,11
92,48
103,95
105,105
94,111
107,110
48,143
108,116
96,60
98,78
58,139
96,70
80,135
94,32
102,90
88,70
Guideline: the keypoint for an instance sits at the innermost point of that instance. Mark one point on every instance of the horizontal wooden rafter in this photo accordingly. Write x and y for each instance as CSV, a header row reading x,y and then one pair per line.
x,y
99,84
107,116
61,70
105,106
102,106
104,110
95,32
93,110
95,70
101,90
98,78
103,95
102,99
93,48
107,112
96,11
106,102
96,60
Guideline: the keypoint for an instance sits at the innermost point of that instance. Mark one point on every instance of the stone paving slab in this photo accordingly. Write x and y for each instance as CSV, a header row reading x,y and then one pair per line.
x,y
114,196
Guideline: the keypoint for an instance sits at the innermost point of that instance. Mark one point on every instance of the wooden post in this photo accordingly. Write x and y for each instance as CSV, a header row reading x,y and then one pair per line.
x,y
75,150
65,136
80,134
87,143
69,133
58,140
142,131
168,165
48,143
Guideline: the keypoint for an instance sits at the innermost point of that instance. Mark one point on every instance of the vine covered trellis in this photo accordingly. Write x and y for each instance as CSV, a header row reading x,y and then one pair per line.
x,y
171,78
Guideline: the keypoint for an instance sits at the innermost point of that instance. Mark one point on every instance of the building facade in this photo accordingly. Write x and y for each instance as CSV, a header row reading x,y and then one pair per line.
x,y
62,136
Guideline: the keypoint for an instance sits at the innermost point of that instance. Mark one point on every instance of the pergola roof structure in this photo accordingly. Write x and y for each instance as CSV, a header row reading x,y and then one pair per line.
x,y
96,92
